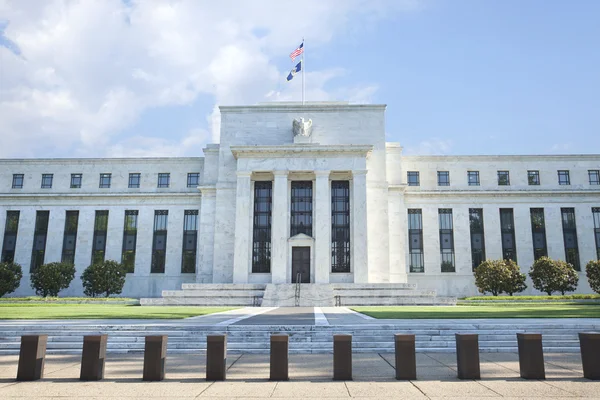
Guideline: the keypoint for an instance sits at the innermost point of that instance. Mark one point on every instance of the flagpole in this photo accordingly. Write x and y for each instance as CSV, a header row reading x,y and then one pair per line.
x,y
303,68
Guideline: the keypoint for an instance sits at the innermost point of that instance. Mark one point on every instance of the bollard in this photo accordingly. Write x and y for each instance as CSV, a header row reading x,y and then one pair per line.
x,y
216,357
531,356
342,357
31,357
279,358
590,355
467,356
406,363
155,356
92,358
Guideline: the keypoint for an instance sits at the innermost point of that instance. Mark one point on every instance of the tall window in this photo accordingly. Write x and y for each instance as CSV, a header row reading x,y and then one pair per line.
x,y
507,228
503,178
164,180
477,236
564,178
105,181
190,240
47,181
340,226
70,237
10,236
17,182
301,208
443,178
261,235
193,179
446,240
76,181
596,215
594,176
415,240
413,178
533,178
473,178
570,237
129,240
134,180
99,243
159,241
39,239
538,230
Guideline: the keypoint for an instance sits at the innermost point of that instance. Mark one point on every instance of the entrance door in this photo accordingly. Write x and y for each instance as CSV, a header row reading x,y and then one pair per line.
x,y
301,264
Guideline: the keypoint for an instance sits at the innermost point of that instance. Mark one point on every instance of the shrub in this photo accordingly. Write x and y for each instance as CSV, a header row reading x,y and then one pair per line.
x,y
592,271
497,276
106,278
10,277
550,275
51,278
516,281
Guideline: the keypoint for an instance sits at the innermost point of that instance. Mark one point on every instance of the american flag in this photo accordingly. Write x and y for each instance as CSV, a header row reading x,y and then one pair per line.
x,y
297,52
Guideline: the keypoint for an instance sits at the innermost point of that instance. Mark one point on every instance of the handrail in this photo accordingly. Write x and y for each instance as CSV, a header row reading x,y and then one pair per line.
x,y
297,293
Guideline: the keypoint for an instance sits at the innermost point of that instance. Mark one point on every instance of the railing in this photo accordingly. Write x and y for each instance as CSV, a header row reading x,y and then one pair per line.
x,y
297,293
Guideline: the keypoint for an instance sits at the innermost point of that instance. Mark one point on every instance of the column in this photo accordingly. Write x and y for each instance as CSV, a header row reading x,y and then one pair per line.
x,y
279,228
206,235
322,227
358,218
243,228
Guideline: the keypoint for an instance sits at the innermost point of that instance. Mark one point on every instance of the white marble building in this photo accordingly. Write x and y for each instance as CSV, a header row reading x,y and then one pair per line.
x,y
331,200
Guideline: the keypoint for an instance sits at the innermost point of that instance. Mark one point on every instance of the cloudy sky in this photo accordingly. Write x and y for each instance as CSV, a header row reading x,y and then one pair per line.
x,y
97,78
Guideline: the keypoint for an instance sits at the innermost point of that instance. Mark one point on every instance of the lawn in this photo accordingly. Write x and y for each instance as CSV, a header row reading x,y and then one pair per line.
x,y
552,310
99,311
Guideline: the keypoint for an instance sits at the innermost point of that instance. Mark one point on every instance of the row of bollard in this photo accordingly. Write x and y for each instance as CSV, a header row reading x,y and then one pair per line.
x,y
531,357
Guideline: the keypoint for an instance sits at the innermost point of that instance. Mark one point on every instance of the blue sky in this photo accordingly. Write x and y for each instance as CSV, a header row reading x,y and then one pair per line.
x,y
142,78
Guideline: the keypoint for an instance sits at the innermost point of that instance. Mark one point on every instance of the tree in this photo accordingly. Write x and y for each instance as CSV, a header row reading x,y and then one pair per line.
x,y
10,277
550,275
51,278
570,278
592,271
106,278
516,281
497,276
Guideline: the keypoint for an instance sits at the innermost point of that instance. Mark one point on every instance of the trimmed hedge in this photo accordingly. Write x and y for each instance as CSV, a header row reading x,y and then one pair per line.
x,y
592,271
104,278
10,277
498,276
550,276
49,279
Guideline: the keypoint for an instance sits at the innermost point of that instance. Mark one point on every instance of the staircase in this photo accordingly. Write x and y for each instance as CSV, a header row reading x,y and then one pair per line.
x,y
298,295
210,294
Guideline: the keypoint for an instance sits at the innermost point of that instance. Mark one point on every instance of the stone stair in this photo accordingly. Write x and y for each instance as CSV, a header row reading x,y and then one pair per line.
x,y
210,294
302,295
386,294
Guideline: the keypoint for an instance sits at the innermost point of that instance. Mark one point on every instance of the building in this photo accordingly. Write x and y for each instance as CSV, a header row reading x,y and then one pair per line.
x,y
300,192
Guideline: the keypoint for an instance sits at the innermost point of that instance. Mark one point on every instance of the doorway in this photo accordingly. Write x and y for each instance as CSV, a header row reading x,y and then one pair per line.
x,y
301,264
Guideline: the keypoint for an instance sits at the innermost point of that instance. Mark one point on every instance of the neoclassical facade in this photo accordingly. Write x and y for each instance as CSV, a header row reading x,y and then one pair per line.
x,y
309,193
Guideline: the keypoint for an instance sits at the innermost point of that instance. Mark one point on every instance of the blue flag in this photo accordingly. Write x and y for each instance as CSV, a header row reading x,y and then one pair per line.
x,y
294,71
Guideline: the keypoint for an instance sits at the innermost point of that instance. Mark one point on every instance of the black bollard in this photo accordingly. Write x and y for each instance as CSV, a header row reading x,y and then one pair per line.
x,y
216,357
279,358
467,356
531,356
406,363
31,357
342,357
155,356
93,357
590,355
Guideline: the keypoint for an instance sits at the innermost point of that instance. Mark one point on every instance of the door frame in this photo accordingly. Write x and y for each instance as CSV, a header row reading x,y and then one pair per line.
x,y
301,240
304,248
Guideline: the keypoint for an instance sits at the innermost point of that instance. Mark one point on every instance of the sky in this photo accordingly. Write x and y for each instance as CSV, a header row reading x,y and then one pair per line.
x,y
136,78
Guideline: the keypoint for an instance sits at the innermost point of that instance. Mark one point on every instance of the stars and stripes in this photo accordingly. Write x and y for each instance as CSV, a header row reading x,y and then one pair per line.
x,y
299,50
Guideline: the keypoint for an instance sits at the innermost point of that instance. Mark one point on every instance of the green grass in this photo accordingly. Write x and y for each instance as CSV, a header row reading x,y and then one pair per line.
x,y
528,298
57,299
548,310
98,311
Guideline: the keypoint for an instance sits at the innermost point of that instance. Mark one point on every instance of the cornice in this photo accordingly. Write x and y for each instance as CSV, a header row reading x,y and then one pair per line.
x,y
324,107
495,193
489,158
145,195
142,160
301,151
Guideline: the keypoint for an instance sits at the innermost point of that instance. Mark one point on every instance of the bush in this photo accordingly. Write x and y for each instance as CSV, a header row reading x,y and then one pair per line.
x,y
10,277
106,278
497,276
550,275
51,278
592,271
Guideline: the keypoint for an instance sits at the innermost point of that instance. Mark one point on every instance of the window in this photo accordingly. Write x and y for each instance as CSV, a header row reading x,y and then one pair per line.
x,y
76,181
129,240
507,229
596,215
594,176
477,237
413,178
134,180
563,178
533,178
163,180
190,241
415,240
261,231
105,181
159,241
340,226
40,234
301,208
446,240
47,181
570,237
538,230
193,179
99,241
10,236
17,182
70,237
473,178
443,178
503,178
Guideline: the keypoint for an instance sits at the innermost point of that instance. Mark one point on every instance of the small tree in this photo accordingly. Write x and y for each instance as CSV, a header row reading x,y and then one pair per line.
x,y
497,276
51,278
550,276
592,271
516,280
570,278
106,278
10,277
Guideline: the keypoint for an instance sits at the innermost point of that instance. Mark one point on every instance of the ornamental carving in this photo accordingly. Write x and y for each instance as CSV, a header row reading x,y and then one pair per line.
x,y
302,127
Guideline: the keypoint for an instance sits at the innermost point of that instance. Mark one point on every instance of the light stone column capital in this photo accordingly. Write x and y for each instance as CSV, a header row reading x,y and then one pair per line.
x,y
280,173
322,174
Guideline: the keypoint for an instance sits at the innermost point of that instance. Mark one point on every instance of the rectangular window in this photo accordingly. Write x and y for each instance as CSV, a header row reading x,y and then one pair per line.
x,y
190,241
477,236
538,230
10,236
105,181
413,178
99,242
40,235
70,237
76,181
563,178
159,241
261,230
193,179
47,181
503,178
473,178
594,176
570,237
134,180
446,240
507,229
301,208
533,178
443,178
129,240
340,226
415,240
163,180
17,182
596,215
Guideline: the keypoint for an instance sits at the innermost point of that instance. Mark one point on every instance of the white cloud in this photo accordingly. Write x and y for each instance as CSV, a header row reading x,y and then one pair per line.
x,y
432,146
